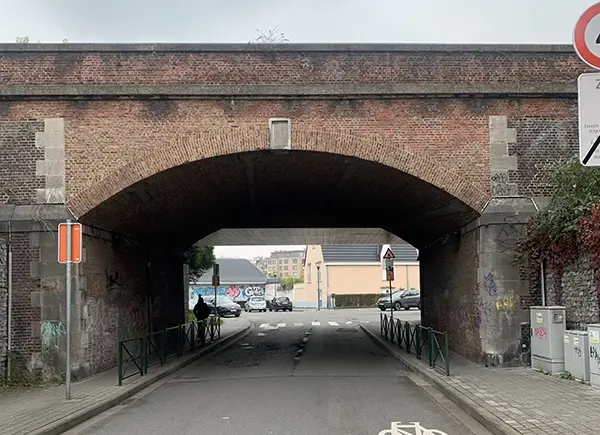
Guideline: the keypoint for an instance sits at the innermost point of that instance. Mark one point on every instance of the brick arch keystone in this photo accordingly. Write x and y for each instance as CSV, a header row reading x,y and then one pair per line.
x,y
246,139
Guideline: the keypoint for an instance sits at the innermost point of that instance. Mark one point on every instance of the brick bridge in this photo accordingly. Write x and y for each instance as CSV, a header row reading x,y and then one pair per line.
x,y
154,147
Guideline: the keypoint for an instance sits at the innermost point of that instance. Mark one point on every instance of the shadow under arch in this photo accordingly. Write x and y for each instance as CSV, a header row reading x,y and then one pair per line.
x,y
230,179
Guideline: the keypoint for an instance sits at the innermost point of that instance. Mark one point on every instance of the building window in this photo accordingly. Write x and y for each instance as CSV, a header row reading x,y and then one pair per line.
x,y
295,260
308,273
286,261
295,267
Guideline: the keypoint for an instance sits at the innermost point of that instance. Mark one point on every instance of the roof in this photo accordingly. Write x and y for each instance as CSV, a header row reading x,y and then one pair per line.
x,y
366,253
235,271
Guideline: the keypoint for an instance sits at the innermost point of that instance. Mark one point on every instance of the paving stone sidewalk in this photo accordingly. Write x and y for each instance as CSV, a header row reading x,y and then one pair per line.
x,y
512,400
46,411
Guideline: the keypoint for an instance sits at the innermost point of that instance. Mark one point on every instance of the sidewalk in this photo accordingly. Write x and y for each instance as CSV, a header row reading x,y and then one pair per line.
x,y
45,411
510,400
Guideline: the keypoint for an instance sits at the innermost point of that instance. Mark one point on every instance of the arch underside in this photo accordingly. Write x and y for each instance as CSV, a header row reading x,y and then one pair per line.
x,y
262,189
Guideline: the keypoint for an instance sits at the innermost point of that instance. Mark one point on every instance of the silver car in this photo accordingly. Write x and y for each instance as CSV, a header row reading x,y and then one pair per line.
x,y
257,303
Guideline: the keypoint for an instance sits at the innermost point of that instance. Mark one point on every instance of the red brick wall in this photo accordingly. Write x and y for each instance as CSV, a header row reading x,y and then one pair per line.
x,y
289,68
450,299
449,135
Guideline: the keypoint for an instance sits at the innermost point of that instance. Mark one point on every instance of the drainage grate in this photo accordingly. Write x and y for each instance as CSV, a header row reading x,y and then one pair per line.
x,y
346,330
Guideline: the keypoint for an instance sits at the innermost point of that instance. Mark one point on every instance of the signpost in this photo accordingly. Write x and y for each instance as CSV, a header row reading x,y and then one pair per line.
x,y
389,257
586,40
216,282
70,241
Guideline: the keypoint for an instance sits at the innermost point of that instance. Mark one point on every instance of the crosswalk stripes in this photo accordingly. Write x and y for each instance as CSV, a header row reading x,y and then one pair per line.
x,y
274,326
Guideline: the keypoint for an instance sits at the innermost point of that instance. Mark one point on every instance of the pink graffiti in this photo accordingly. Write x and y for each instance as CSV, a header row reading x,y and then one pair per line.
x,y
233,291
540,333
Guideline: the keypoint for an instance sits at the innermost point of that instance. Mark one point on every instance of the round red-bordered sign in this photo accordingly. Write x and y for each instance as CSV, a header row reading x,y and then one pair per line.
x,y
586,37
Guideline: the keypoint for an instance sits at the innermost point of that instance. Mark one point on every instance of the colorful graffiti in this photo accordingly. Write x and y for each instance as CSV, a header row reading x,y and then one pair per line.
x,y
237,293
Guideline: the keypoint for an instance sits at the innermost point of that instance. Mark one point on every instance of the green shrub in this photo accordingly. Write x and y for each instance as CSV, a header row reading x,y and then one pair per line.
x,y
359,300
192,318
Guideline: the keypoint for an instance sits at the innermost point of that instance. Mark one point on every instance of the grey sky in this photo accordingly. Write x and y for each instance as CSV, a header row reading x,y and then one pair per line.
x,y
469,21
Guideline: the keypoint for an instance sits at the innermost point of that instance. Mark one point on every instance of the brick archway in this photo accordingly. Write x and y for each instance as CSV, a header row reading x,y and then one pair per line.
x,y
247,139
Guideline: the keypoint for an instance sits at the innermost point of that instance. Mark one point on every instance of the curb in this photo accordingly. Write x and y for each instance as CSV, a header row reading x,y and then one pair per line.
x,y
64,424
481,415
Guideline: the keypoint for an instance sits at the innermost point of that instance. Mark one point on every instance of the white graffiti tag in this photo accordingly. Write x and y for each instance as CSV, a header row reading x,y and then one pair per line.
x,y
397,429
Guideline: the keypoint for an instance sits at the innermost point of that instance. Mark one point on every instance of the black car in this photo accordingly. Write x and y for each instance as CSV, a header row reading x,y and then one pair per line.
x,y
281,303
225,306
401,299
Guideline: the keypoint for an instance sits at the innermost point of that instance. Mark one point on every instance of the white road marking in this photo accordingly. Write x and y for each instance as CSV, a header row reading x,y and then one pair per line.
x,y
281,325
334,324
298,324
264,325
261,334
316,323
348,323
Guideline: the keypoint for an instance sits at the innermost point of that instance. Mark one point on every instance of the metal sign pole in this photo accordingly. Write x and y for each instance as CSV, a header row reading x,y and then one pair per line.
x,y
68,289
391,299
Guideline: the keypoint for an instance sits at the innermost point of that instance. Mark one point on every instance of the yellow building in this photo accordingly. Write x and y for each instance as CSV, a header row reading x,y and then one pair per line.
x,y
354,269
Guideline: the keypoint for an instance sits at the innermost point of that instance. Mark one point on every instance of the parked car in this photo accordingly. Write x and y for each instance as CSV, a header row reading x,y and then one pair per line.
x,y
225,306
281,303
257,303
401,299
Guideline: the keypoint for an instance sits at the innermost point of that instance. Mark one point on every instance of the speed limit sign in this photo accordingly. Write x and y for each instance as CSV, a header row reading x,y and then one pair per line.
x,y
586,37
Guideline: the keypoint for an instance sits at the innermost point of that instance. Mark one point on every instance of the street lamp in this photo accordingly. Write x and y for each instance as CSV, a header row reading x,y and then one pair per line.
x,y
275,283
318,264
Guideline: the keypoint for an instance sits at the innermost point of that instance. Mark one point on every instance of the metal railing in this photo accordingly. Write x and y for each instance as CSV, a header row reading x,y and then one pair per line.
x,y
136,355
418,339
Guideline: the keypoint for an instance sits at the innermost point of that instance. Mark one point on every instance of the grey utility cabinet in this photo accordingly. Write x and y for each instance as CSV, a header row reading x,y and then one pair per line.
x,y
577,354
594,347
547,335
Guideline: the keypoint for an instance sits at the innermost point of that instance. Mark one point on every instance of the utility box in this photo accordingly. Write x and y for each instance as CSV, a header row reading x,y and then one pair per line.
x,y
548,327
594,347
577,354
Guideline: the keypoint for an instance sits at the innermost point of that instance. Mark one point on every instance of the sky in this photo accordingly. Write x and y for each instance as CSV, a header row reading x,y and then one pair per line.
x,y
460,21
334,21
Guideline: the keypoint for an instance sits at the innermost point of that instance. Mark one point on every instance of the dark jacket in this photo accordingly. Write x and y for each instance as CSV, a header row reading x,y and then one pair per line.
x,y
201,310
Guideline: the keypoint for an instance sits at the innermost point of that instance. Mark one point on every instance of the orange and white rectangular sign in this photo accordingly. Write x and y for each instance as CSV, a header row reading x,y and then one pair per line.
x,y
76,242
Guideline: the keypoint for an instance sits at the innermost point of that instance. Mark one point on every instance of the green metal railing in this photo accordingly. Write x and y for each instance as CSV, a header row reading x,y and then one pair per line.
x,y
136,355
418,339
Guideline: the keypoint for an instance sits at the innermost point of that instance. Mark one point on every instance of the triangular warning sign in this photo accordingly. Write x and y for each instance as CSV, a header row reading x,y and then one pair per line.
x,y
389,254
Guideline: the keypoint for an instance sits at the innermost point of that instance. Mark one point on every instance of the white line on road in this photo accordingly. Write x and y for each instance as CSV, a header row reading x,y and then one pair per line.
x,y
334,324
264,325
316,323
348,323
298,324
281,325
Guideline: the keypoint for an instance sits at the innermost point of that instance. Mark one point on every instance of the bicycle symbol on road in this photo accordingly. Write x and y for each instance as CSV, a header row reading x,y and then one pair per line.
x,y
396,429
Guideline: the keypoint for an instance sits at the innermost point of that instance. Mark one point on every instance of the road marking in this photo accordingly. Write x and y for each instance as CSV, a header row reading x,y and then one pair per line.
x,y
316,323
298,324
366,321
348,323
397,426
264,325
334,324
281,325
261,334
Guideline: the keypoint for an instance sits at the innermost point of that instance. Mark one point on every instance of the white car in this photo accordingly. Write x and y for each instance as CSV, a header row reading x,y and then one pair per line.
x,y
256,303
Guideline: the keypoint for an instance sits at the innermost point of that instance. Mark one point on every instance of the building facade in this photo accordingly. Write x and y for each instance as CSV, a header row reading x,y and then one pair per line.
x,y
354,269
286,263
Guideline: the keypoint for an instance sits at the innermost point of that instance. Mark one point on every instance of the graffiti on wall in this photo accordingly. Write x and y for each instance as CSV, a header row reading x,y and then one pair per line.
x,y
51,333
241,292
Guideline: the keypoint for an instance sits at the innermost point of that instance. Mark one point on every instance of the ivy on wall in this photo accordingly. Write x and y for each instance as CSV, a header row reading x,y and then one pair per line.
x,y
569,227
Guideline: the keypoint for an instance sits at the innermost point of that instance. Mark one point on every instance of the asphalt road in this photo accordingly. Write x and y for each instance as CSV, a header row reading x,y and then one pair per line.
x,y
284,378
